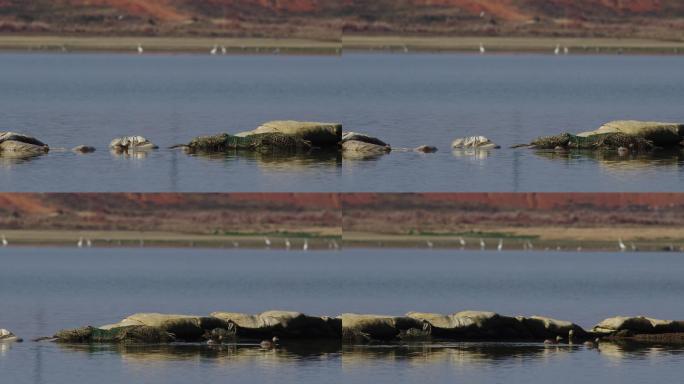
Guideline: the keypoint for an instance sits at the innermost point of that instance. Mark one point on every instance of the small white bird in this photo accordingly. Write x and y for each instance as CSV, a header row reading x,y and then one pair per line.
x,y
89,243
4,241
267,241
566,50
236,244
483,245
500,246
482,49
557,50
406,50
621,245
529,245
223,50
429,244
287,244
335,245
140,49
214,50
306,245
634,247
462,242
80,242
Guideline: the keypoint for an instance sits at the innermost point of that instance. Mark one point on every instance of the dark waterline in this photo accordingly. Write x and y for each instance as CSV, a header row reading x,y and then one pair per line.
x,y
408,100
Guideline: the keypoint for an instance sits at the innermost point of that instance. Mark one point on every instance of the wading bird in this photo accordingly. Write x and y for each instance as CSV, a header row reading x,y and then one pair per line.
x,y
214,50
462,242
566,50
223,50
4,241
267,241
287,244
89,243
80,242
483,245
140,49
306,245
429,244
621,245
482,49
500,246
557,50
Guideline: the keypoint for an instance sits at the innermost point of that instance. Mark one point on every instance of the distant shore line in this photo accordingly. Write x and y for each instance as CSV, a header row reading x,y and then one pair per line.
x,y
475,241
348,44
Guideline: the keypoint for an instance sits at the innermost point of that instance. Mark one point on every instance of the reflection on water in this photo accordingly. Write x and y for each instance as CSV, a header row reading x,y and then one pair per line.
x,y
14,158
277,159
131,154
417,353
612,160
228,353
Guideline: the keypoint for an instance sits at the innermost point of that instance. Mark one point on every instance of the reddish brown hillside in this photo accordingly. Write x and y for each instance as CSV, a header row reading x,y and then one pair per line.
x,y
324,18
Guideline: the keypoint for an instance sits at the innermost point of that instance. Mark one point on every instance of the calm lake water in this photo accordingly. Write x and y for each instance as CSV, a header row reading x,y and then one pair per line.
x,y
407,100
45,289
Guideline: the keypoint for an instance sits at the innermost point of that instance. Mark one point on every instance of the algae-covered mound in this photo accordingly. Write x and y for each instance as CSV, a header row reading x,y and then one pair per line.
x,y
261,142
182,327
659,133
133,333
598,141
384,328
284,324
637,325
17,143
324,135
482,325
630,135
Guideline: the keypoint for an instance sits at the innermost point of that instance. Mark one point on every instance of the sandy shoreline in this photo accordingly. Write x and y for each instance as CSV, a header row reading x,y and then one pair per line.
x,y
167,45
160,239
352,43
602,239
546,45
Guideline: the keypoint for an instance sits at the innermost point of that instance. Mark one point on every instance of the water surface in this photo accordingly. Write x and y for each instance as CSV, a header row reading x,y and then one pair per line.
x,y
46,289
407,100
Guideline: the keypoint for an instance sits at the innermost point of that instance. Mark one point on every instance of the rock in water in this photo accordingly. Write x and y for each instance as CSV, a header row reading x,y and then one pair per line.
x,y
18,143
7,336
324,135
426,149
353,136
128,143
83,149
480,142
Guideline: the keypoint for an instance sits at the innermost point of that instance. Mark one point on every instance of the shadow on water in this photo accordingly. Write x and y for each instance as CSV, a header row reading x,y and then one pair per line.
x,y
278,159
613,160
424,353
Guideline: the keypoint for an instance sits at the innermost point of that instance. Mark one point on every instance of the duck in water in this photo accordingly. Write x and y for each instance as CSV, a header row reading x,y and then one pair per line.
x,y
270,344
